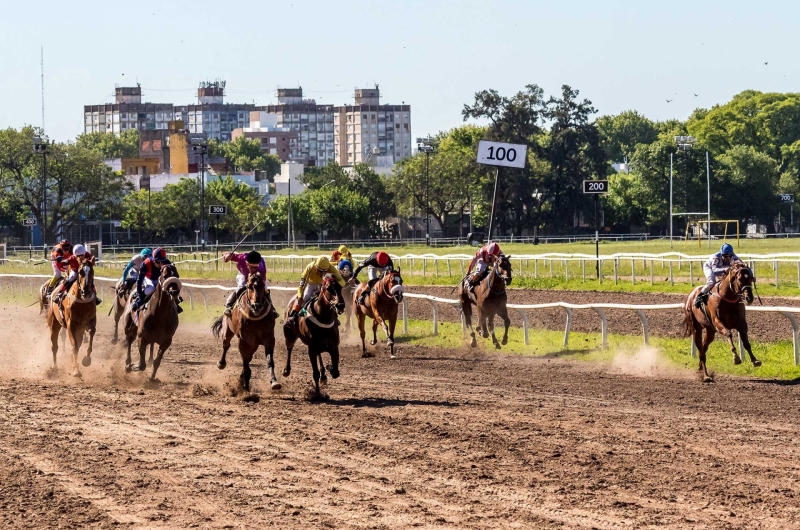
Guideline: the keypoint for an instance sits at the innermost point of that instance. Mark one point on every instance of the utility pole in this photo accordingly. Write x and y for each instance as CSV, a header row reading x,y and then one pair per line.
x,y
427,145
40,147
200,146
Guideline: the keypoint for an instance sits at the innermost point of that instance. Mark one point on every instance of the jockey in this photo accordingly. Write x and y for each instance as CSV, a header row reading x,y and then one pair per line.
x,y
311,283
246,264
148,276
131,272
79,252
716,267
484,258
344,253
378,264
336,257
60,260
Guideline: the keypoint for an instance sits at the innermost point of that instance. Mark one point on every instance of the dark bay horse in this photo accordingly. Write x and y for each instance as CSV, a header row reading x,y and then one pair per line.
x,y
724,312
253,322
381,306
318,330
490,299
158,320
79,315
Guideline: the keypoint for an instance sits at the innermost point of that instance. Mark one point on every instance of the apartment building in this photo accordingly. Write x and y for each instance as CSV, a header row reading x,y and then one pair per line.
x,y
274,140
127,112
212,116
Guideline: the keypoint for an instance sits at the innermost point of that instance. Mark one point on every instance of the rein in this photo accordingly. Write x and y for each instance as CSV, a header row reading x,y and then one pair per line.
x,y
490,281
739,296
245,312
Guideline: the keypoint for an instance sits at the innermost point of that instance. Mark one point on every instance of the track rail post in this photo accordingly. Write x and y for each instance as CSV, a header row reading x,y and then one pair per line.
x,y
645,326
603,326
524,317
568,327
795,332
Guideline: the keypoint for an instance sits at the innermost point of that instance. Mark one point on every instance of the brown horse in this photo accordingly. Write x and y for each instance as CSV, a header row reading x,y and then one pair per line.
x,y
724,312
158,320
78,316
490,299
347,293
121,296
318,330
381,306
253,321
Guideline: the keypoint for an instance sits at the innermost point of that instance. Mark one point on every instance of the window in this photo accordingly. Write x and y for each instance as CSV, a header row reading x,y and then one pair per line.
x,y
273,141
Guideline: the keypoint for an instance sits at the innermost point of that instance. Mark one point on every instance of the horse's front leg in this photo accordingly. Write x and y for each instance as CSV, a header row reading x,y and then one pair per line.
x,y
375,322
117,315
390,335
503,313
491,331
708,338
226,344
728,334
75,339
55,328
483,319
313,355
466,311
247,356
269,351
362,332
162,348
290,339
746,343
87,360
142,348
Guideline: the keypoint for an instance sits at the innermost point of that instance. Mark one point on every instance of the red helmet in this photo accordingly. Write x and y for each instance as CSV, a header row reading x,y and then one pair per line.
x,y
336,254
159,255
382,258
493,249
65,245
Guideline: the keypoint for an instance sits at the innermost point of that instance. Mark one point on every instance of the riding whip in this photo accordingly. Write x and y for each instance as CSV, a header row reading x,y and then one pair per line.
x,y
246,236
460,282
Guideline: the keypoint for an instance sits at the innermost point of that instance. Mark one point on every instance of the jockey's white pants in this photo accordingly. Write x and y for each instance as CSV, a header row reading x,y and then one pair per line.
x,y
480,267
56,270
148,286
309,292
373,273
711,278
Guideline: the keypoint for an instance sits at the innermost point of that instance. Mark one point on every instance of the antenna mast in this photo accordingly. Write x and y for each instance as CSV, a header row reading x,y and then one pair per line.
x,y
42,64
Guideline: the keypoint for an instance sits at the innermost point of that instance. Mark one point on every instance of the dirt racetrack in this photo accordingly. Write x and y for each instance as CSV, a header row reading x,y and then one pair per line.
x,y
435,439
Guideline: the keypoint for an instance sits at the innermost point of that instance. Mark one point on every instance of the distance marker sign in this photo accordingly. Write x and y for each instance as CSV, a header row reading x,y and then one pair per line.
x,y
595,186
29,221
501,154
217,210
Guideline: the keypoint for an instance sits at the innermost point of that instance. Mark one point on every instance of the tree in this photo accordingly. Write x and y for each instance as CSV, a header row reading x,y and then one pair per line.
x,y
276,213
109,146
244,154
336,209
243,202
332,174
76,180
621,134
381,201
747,185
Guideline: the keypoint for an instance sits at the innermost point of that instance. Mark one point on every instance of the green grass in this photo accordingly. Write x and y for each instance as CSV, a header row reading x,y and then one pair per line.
x,y
532,274
778,358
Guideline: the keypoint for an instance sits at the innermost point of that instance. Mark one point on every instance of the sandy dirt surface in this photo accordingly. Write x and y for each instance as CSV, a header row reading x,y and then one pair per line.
x,y
435,439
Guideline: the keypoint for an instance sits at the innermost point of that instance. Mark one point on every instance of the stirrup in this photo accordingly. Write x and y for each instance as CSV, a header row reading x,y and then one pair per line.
x,y
228,311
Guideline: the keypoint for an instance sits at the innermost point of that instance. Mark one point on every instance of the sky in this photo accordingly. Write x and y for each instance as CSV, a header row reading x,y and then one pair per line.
x,y
434,55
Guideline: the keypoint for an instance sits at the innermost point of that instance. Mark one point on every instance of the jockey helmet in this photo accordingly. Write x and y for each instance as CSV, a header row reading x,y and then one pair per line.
x,y
253,257
146,252
322,264
726,250
343,249
159,255
79,250
382,258
493,249
335,255
346,264
65,245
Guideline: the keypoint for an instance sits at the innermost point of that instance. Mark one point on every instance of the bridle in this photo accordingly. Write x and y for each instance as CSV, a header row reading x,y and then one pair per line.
x,y
169,272
87,273
333,302
257,309
496,272
386,281
731,277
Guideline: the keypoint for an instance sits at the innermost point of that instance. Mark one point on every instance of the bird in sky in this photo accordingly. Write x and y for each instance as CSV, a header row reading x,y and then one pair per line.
x,y
695,95
669,101
766,63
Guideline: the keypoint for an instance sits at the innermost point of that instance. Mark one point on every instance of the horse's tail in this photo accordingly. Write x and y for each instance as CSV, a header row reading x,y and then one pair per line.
x,y
216,327
688,319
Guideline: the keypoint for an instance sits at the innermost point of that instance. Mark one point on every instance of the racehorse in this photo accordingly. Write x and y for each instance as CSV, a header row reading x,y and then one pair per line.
x,y
157,320
346,270
724,312
318,330
78,316
253,322
381,306
121,296
490,300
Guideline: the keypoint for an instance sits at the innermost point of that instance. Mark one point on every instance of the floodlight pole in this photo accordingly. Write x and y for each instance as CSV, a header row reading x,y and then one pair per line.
x,y
708,195
670,200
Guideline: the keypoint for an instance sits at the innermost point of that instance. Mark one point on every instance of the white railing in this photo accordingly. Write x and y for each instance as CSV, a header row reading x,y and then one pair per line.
x,y
788,312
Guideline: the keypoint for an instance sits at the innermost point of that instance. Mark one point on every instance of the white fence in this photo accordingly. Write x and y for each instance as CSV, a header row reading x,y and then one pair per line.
x,y
788,312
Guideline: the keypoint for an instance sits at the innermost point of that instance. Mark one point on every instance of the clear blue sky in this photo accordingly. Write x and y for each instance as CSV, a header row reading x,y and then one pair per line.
x,y
432,54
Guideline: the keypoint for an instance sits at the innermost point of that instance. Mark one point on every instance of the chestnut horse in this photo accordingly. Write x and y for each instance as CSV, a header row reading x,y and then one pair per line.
x,y
253,322
317,327
158,320
79,315
490,299
723,313
381,306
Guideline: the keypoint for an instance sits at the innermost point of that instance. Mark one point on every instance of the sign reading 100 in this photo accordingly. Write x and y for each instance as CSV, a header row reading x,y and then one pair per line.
x,y
501,154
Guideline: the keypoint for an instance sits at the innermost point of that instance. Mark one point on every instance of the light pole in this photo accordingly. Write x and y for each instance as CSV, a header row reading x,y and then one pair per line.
x,y
427,145
40,147
200,146
684,143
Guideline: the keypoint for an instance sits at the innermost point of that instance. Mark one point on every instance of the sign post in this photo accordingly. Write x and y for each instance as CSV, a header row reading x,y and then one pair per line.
x,y
596,187
500,155
30,221
789,198
217,210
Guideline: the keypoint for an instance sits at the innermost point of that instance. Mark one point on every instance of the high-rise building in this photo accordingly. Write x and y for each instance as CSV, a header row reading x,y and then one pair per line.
x,y
212,116
127,112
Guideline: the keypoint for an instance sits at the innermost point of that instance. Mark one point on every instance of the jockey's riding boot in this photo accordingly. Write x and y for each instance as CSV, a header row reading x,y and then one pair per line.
x,y
234,296
701,299
178,307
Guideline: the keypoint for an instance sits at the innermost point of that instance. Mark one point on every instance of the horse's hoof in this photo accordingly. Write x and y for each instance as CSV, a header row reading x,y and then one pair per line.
x,y
334,372
708,379
393,356
114,341
276,386
756,363
504,341
286,372
373,342
496,345
473,344
221,365
142,367
86,361
737,360
323,378
76,373
390,342
485,334
128,368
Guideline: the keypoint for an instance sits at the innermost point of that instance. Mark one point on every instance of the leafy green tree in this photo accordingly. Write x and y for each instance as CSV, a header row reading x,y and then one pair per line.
x,y
276,213
244,154
76,180
368,184
137,210
620,134
337,209
746,185
331,174
243,202
109,146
